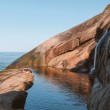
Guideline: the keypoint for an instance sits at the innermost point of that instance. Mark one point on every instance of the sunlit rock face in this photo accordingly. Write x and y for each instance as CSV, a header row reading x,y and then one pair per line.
x,y
72,49
100,96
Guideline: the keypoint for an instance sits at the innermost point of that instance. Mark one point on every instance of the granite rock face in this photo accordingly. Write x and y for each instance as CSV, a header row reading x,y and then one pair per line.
x,y
72,49
100,96
13,86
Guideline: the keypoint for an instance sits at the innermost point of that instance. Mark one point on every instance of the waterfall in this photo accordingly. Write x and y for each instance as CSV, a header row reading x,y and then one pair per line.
x,y
96,49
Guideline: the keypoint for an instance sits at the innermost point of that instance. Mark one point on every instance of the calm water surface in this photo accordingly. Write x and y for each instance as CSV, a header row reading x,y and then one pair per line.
x,y
8,57
54,89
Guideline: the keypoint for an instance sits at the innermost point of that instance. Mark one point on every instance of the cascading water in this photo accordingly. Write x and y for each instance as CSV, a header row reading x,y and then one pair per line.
x,y
93,70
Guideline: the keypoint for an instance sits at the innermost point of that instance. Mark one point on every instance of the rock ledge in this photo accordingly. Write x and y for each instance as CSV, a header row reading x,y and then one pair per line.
x,y
13,86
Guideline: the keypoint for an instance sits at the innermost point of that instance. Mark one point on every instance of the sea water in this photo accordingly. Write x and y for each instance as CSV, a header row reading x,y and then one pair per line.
x,y
53,89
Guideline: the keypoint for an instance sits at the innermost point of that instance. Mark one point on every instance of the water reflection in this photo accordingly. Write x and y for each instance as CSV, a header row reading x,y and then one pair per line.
x,y
78,83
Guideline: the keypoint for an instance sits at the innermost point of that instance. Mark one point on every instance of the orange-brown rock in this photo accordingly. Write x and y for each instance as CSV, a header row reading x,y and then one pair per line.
x,y
13,86
70,49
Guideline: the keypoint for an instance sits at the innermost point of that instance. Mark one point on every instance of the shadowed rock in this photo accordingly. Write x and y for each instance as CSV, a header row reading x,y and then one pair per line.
x,y
13,100
100,96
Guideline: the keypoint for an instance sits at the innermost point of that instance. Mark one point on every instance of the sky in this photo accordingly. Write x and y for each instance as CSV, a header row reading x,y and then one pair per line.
x,y
24,24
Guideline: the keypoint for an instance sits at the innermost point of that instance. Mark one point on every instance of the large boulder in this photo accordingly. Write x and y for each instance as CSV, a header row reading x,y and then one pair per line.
x,y
72,49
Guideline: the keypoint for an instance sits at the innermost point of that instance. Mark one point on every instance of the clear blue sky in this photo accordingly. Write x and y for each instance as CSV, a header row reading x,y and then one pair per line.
x,y
24,24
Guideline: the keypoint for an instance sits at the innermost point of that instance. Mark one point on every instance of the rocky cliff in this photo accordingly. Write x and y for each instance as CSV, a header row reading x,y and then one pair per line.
x,y
72,49
100,96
